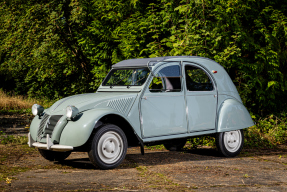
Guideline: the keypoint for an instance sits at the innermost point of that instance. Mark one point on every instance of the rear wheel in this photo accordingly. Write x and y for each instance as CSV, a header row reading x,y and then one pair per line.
x,y
109,147
175,144
54,155
230,143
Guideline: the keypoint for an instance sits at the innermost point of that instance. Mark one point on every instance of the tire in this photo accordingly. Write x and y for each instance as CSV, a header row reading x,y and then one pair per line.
x,y
109,147
175,144
230,143
54,155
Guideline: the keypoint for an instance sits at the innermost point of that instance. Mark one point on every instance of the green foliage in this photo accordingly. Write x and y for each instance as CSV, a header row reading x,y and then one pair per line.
x,y
9,139
268,132
194,143
155,147
59,48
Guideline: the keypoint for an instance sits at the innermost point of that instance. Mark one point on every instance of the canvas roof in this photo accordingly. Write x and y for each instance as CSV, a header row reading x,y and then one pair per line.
x,y
143,62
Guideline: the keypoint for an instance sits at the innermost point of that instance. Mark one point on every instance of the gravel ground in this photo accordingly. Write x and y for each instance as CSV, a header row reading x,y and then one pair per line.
x,y
158,170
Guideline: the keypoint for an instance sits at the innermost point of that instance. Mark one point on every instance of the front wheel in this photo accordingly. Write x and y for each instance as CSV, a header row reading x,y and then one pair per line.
x,y
109,147
54,155
230,143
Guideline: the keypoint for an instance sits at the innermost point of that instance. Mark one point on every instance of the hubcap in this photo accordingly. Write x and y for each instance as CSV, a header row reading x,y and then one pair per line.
x,y
232,140
110,147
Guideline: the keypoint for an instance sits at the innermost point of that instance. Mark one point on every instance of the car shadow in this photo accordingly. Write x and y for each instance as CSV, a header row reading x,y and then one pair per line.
x,y
150,158
79,163
164,157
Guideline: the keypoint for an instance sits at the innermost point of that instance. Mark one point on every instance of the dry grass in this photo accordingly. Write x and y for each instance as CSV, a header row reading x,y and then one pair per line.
x,y
16,102
8,102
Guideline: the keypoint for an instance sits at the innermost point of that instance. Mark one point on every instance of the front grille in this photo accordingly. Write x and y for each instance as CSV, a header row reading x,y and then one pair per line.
x,y
51,124
42,124
47,125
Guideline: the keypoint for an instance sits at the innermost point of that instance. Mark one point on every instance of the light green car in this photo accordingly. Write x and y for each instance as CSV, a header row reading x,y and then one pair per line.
x,y
163,100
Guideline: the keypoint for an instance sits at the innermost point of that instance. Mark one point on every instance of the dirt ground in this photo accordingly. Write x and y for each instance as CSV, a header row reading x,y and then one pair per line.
x,y
15,123
23,169
158,170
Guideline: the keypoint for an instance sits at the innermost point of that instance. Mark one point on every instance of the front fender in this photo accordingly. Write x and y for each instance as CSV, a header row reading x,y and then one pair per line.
x,y
233,116
77,133
34,127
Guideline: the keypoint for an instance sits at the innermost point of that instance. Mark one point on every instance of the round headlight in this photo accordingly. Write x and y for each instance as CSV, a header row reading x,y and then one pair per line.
x,y
71,111
37,109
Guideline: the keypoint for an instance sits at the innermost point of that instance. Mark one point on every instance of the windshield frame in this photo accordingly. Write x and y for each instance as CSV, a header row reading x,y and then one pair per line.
x,y
125,68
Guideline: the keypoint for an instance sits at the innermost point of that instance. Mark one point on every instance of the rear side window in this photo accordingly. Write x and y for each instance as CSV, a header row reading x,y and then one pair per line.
x,y
168,79
197,79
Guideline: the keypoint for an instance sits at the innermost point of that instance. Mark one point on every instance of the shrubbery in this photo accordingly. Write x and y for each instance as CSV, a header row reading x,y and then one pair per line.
x,y
54,49
59,48
268,132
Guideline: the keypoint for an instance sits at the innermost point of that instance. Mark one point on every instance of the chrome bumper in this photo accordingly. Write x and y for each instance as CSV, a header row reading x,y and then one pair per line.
x,y
48,145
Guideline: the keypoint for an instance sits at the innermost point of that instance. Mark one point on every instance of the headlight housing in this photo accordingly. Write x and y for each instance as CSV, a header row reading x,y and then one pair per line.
x,y
71,111
37,109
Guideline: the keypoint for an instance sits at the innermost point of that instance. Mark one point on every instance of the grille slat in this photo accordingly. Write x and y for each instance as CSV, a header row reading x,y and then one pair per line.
x,y
47,125
42,124
51,124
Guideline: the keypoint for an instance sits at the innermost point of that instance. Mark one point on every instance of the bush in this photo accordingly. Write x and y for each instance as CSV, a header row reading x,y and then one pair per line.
x,y
268,132
59,48
196,142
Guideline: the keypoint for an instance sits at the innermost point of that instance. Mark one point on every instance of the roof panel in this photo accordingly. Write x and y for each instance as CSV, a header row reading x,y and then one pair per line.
x,y
143,62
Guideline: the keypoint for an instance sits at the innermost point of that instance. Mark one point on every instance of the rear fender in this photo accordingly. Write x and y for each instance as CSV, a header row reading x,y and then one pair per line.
x,y
233,116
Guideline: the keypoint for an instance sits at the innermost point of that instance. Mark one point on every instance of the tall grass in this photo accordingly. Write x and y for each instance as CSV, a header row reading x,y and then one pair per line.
x,y
15,103
10,102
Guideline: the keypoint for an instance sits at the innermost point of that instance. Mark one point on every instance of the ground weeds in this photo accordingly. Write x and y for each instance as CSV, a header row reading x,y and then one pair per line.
x,y
9,139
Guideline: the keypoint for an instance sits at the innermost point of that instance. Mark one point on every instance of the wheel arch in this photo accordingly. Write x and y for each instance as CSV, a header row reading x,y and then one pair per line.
x,y
121,122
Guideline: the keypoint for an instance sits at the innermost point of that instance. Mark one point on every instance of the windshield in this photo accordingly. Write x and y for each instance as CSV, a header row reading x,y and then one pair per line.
x,y
126,77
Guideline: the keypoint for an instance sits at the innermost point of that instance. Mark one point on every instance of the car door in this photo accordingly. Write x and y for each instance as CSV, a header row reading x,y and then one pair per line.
x,y
163,104
201,98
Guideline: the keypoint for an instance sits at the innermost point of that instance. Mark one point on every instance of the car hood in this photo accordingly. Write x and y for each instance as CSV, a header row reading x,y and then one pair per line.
x,y
89,101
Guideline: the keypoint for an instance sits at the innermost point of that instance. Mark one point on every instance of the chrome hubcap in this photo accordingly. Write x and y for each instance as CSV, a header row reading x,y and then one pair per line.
x,y
232,140
110,147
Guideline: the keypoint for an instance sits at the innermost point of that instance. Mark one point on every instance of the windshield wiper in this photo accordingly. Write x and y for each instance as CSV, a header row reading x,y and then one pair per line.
x,y
111,86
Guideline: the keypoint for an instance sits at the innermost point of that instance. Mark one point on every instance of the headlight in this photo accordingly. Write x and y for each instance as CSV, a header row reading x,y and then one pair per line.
x,y
37,109
71,111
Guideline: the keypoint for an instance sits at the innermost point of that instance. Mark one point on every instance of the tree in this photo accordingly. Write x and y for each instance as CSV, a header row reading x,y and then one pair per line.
x,y
59,48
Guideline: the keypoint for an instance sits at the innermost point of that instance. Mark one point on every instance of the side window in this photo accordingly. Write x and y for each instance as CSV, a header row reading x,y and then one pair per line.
x,y
197,79
166,80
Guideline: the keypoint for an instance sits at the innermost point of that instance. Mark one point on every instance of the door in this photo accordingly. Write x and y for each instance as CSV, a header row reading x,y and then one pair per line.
x,y
201,98
163,104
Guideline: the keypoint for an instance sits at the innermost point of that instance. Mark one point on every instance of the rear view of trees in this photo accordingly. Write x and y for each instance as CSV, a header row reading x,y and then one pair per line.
x,y
58,48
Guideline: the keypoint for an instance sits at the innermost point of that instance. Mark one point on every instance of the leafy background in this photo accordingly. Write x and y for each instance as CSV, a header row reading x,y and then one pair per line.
x,y
58,48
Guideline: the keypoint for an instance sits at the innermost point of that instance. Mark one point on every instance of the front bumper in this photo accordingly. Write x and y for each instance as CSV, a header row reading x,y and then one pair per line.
x,y
48,145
